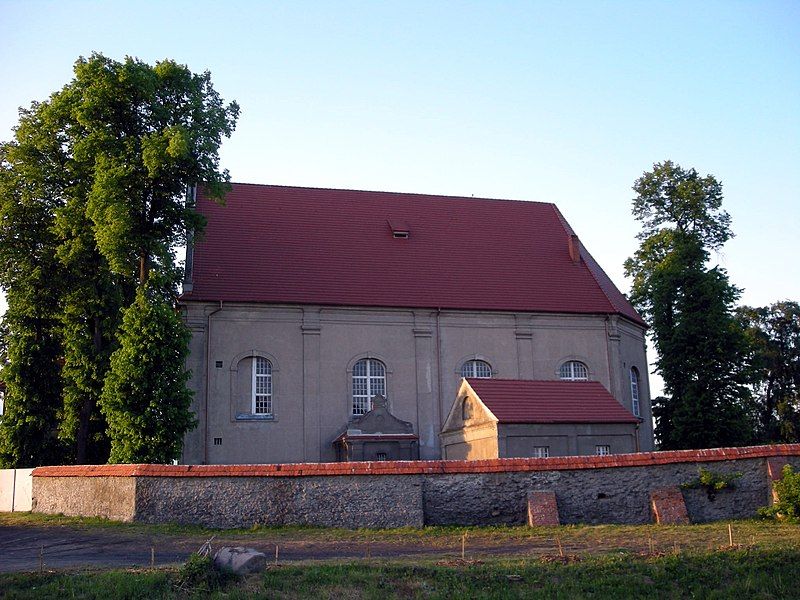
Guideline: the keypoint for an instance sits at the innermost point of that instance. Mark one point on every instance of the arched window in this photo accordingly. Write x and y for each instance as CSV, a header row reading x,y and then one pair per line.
x,y
476,368
262,386
369,380
573,370
635,391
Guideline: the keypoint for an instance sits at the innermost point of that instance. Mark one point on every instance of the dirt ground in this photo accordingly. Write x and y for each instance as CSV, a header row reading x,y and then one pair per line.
x,y
30,548
32,542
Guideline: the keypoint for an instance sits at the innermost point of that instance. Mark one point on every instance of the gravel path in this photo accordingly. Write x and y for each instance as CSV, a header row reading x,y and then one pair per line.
x,y
26,548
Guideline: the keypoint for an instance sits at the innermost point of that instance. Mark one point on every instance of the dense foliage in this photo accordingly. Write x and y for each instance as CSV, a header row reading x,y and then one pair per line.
x,y
774,336
701,346
145,398
787,504
92,207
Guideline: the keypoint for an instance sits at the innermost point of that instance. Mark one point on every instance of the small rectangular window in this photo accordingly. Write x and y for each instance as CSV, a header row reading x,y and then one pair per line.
x,y
602,450
218,364
541,451
218,441
380,456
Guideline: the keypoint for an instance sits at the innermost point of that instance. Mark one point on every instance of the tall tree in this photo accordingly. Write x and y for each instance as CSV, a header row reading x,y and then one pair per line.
x,y
145,398
774,335
30,276
107,161
700,346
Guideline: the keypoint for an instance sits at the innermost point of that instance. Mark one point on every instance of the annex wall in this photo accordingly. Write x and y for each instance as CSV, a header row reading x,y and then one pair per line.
x,y
588,489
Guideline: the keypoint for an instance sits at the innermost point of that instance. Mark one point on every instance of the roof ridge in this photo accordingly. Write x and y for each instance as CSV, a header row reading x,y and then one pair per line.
x,y
392,193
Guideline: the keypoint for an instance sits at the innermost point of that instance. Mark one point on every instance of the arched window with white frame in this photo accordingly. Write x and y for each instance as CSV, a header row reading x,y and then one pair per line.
x,y
635,406
262,386
369,380
479,369
573,370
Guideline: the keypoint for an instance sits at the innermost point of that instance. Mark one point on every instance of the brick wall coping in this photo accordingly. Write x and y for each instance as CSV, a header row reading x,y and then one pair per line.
x,y
419,467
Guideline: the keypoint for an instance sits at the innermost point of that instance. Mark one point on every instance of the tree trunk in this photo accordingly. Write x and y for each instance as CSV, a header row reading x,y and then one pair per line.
x,y
89,403
144,269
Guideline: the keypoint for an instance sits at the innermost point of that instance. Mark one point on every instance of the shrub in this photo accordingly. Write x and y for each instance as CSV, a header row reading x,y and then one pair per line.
x,y
712,482
199,575
787,506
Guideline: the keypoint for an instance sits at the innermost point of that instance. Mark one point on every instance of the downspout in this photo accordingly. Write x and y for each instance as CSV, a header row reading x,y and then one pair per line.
x,y
13,489
208,381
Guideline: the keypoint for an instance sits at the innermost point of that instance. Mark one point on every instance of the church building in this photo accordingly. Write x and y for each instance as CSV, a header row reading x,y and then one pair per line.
x,y
305,304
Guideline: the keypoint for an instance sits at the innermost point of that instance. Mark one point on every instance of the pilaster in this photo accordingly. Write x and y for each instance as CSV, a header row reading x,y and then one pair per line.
x,y
524,336
311,330
428,425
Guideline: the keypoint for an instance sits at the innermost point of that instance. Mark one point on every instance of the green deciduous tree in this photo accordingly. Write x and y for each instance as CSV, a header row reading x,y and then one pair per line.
x,y
29,274
774,335
94,183
147,132
700,345
145,398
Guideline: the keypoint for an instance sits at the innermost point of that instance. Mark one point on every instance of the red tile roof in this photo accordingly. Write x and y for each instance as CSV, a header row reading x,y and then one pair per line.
x,y
523,401
280,244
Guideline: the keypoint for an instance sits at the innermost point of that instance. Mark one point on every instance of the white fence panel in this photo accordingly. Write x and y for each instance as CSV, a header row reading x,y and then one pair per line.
x,y
16,490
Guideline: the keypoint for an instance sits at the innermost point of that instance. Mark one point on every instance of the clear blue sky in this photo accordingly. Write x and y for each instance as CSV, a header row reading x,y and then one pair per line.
x,y
566,102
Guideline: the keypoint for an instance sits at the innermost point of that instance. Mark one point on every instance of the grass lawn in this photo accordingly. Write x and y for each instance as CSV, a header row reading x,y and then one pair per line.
x,y
731,573
572,538
576,561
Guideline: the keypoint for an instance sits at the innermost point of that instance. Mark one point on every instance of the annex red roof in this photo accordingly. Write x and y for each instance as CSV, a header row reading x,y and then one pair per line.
x,y
298,245
524,401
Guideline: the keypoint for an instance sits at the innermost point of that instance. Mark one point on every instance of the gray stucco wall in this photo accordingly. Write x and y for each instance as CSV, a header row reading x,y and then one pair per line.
x,y
226,502
313,348
613,495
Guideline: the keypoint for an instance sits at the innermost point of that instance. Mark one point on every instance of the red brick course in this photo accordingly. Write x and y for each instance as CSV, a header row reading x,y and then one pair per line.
x,y
669,507
496,465
542,509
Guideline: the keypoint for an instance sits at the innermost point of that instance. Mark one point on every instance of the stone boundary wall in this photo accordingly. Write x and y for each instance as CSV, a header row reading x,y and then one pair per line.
x,y
588,489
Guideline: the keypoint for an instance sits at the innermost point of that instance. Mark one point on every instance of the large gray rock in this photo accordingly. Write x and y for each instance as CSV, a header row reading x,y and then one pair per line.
x,y
239,560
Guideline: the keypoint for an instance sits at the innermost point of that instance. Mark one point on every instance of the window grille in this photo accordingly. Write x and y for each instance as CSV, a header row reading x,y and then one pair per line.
x,y
541,451
262,386
573,370
369,380
476,368
635,392
602,450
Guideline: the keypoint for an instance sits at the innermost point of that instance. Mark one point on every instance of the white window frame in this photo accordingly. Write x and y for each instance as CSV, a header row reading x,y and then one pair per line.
x,y
541,452
261,400
635,403
570,371
602,450
375,380
470,369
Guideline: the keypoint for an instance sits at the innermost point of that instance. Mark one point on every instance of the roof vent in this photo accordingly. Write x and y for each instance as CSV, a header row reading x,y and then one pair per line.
x,y
400,229
574,248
